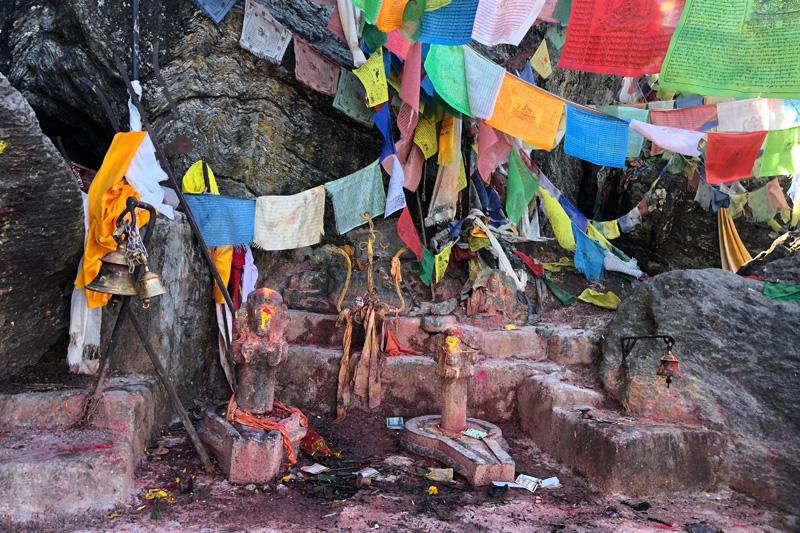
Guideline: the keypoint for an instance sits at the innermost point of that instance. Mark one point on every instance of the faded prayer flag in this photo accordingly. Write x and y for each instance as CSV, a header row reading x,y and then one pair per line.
x,y
757,114
373,77
395,197
350,97
622,37
412,72
356,194
451,24
484,79
540,60
425,137
596,138
313,69
223,220
635,139
408,233
262,35
445,67
504,21
289,222
731,156
691,118
441,261
215,9
781,153
492,148
521,189
527,113
739,48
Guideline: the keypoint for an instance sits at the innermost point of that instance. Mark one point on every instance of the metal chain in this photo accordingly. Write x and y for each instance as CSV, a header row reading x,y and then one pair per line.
x,y
136,253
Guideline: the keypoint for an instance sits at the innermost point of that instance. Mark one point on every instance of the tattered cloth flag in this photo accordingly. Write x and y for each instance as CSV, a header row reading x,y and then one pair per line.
x,y
504,21
425,137
355,195
492,148
215,9
692,118
390,15
627,38
731,156
408,233
445,67
444,198
484,79
223,220
350,97
383,121
671,139
781,153
412,73
313,69
398,45
262,35
559,220
373,77
288,222
607,300
635,139
521,189
540,60
596,138
441,261
451,24
527,113
395,198
589,255
426,267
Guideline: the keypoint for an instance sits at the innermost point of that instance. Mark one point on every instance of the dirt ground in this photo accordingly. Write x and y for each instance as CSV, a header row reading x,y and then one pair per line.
x,y
398,498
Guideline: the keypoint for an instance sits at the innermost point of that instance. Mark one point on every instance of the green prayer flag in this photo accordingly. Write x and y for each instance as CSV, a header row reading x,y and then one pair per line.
x,y
563,296
562,10
781,153
782,292
426,267
373,37
736,48
445,67
371,8
521,189
412,20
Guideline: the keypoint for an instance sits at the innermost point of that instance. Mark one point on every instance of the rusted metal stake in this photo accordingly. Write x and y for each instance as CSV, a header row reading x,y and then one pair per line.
x,y
173,394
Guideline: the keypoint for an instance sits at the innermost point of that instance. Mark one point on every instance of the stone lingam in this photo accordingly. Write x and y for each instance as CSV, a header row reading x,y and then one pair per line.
x,y
256,435
474,448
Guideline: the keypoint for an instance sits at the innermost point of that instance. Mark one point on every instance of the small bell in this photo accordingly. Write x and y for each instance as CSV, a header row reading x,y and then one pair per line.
x,y
149,286
668,366
115,276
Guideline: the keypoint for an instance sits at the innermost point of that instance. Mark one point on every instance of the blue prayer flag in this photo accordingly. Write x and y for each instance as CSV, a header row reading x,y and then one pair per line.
x,y
596,138
223,220
577,218
589,255
451,24
383,120
215,9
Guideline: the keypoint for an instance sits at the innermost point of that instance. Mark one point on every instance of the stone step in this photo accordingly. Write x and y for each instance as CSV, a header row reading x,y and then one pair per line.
x,y
409,384
561,344
47,465
614,452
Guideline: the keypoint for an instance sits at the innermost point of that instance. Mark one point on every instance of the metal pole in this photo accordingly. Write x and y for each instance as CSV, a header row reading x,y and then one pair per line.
x,y
135,47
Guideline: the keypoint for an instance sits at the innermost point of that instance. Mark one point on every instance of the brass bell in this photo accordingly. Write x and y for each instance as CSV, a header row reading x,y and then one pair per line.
x,y
668,367
115,276
150,285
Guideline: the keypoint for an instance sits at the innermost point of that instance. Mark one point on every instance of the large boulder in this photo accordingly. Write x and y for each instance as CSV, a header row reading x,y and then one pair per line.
x,y
740,362
41,235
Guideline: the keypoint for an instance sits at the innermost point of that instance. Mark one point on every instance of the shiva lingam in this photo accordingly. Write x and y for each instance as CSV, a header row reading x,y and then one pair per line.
x,y
474,448
257,434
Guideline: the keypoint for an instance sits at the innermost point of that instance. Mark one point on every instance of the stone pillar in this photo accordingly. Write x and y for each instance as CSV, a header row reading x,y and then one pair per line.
x,y
455,365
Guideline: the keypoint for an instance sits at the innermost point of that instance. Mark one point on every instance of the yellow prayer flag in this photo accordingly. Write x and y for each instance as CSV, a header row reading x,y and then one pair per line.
x,y
462,175
194,181
432,5
390,16
373,78
607,300
447,141
527,113
425,137
540,61
559,220
441,261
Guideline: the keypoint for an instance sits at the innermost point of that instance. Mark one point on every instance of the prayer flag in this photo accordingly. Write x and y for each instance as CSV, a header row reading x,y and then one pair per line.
x,y
397,44
577,218
412,72
215,9
562,11
262,35
350,97
504,21
608,229
692,118
425,137
370,8
527,113
557,36
546,15
395,198
447,141
313,69
288,222
672,139
492,148
383,121
521,189
441,261
412,19
747,48
484,79
390,15
408,233
781,153
426,267
559,221
731,156
445,67
373,77
607,300
433,5
356,194
596,138
635,139
588,255
629,221
223,221
625,37
540,60
444,198
732,251
451,24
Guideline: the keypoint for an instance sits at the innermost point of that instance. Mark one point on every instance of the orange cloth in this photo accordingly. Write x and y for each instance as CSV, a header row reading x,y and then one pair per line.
x,y
223,258
527,113
270,422
732,251
390,17
394,348
107,196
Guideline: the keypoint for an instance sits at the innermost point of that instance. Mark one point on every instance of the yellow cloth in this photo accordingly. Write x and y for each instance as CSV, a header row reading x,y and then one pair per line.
x,y
433,5
607,300
527,113
594,233
373,78
425,137
609,228
107,197
390,16
441,261
223,257
562,264
732,252
193,181
447,141
559,220
540,61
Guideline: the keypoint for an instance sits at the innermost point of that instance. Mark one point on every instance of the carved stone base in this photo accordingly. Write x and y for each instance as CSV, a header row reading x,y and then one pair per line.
x,y
480,461
247,454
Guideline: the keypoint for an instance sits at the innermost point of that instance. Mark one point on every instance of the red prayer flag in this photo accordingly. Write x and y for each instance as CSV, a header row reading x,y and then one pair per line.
x,y
408,233
622,37
690,118
537,269
731,156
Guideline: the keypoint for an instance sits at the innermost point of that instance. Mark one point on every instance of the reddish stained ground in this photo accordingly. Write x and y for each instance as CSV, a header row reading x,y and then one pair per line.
x,y
398,500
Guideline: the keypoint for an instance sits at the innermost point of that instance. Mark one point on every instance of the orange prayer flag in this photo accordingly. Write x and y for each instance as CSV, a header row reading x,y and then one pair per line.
x,y
527,113
731,156
390,17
